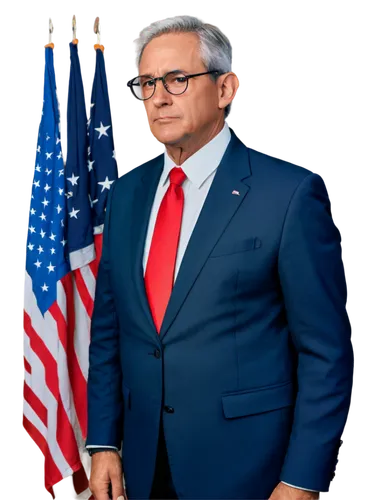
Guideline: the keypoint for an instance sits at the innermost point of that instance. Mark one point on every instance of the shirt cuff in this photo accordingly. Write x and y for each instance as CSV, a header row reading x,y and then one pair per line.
x,y
101,446
299,487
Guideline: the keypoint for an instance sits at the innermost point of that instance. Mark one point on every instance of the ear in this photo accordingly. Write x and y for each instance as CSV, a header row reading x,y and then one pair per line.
x,y
227,87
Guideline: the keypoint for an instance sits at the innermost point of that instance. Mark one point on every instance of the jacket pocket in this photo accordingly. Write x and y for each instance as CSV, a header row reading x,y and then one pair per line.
x,y
228,246
259,400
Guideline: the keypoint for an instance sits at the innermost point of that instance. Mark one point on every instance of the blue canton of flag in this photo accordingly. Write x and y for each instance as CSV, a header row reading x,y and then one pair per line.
x,y
46,261
79,225
101,164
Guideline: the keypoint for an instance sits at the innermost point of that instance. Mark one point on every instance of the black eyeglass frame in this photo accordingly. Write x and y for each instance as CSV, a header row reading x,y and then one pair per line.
x,y
162,78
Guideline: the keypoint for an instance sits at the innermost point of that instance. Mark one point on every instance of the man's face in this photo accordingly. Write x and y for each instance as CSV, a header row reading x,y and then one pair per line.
x,y
193,110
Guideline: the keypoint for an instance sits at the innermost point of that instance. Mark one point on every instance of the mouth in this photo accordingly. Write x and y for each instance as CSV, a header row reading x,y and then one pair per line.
x,y
165,118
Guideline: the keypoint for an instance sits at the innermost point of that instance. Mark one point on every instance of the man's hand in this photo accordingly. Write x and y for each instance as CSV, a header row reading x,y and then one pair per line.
x,y
106,470
285,492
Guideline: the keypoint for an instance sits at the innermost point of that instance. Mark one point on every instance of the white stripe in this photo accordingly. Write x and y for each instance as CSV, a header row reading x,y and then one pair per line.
x,y
82,333
82,257
89,280
34,419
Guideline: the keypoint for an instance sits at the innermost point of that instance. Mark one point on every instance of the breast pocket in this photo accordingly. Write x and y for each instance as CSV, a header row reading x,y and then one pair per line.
x,y
230,246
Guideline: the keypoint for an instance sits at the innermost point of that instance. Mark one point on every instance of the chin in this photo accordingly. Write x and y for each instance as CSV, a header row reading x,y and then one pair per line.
x,y
167,133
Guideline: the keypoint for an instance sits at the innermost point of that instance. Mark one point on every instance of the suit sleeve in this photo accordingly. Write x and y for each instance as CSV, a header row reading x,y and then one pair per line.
x,y
313,284
104,394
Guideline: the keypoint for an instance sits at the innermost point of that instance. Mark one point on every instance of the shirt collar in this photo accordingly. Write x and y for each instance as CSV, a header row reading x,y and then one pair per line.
x,y
203,162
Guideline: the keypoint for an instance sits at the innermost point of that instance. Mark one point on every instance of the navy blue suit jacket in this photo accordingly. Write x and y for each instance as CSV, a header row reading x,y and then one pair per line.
x,y
253,366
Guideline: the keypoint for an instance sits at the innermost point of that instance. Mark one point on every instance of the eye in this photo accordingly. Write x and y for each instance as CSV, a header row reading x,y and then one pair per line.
x,y
181,79
144,84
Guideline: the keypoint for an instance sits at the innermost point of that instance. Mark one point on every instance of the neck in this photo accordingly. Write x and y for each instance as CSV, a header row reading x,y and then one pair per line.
x,y
191,143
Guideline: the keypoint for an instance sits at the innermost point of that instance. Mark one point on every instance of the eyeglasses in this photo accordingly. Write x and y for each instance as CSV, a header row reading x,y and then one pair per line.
x,y
175,82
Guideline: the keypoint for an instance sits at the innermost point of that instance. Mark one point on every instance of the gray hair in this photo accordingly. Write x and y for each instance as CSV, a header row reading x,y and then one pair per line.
x,y
215,48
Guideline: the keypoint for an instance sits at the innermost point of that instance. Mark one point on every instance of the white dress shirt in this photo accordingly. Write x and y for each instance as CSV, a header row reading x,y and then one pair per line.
x,y
200,169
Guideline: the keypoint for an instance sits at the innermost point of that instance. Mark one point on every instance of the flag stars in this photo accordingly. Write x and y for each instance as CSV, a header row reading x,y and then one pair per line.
x,y
37,168
61,172
49,156
74,213
37,263
36,183
58,140
32,229
43,216
45,202
48,171
50,267
106,184
33,211
53,251
47,187
73,179
63,242
40,249
58,208
90,165
42,233
61,191
114,154
38,149
102,130
44,288
30,246
52,237
47,137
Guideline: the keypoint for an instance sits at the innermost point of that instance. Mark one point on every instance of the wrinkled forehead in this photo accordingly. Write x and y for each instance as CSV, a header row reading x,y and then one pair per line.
x,y
169,52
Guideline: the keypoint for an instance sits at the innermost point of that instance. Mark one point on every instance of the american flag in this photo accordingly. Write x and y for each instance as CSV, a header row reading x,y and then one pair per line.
x,y
48,410
90,170
63,252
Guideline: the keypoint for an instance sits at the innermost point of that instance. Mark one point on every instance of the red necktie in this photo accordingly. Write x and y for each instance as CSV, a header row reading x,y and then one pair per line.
x,y
159,275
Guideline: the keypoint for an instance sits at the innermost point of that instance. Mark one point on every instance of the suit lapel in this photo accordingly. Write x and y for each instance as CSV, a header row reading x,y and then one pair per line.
x,y
219,207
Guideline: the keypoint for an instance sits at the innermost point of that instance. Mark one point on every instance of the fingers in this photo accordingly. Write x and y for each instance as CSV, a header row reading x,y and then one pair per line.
x,y
118,491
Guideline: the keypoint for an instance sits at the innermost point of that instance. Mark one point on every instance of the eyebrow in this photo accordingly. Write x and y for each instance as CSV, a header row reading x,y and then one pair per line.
x,y
178,70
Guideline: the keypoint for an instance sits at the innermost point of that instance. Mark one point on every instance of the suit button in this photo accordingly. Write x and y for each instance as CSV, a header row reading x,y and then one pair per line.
x,y
157,353
168,409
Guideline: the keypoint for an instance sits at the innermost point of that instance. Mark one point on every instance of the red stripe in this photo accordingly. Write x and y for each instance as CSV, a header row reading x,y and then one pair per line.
x,y
35,403
44,355
79,481
66,335
83,291
52,474
27,365
94,265
64,431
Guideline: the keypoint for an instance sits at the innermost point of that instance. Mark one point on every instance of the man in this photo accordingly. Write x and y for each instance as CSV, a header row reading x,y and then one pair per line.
x,y
220,355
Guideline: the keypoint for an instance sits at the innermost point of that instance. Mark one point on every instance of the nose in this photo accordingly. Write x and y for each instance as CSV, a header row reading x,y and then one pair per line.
x,y
161,94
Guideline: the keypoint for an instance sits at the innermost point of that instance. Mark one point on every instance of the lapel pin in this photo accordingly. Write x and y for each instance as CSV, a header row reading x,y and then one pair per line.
x,y
236,192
